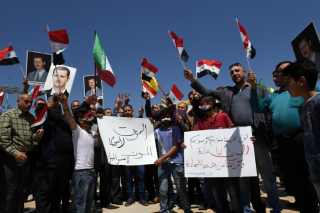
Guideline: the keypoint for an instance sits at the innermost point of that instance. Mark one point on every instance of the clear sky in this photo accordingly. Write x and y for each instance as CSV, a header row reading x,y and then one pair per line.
x,y
131,30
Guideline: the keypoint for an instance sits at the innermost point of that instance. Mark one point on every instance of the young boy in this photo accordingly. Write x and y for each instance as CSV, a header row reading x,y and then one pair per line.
x,y
214,120
170,161
82,185
301,79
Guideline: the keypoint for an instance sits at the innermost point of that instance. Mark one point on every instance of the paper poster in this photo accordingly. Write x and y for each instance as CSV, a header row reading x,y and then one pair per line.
x,y
128,141
219,153
38,65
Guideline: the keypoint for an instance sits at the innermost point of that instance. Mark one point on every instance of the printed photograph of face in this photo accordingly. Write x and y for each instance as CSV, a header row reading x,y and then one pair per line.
x,y
61,77
307,45
38,65
91,87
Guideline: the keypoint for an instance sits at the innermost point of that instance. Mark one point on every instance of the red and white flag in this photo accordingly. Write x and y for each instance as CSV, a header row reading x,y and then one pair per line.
x,y
59,40
41,118
175,94
8,56
178,42
248,49
35,91
1,96
205,67
148,70
146,88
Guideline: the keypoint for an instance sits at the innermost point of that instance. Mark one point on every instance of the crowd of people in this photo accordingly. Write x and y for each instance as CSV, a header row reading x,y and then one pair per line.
x,y
64,156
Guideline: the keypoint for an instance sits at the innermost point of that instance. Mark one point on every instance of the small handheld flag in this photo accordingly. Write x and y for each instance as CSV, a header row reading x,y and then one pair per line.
x,y
205,67
2,96
249,50
175,94
146,88
35,91
59,40
148,70
8,56
41,118
178,42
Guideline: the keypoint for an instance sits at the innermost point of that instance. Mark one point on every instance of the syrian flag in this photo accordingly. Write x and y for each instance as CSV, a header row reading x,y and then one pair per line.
x,y
116,102
205,67
178,42
175,94
105,72
59,40
1,96
146,88
41,118
248,49
35,91
8,56
148,70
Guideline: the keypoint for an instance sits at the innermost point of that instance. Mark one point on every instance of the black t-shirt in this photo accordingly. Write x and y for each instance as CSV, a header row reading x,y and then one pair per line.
x,y
62,139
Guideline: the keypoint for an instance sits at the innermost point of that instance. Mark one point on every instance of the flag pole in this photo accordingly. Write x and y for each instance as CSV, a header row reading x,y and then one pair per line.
x,y
178,53
241,40
95,69
161,89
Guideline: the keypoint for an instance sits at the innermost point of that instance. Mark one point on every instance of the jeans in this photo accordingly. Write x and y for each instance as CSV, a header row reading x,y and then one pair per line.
x,y
292,154
314,169
164,174
82,191
129,182
232,185
206,186
262,157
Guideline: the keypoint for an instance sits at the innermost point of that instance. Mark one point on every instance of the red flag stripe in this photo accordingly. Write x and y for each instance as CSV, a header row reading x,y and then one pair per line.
x,y
244,32
2,96
149,88
211,63
176,92
4,52
35,92
59,36
148,66
178,41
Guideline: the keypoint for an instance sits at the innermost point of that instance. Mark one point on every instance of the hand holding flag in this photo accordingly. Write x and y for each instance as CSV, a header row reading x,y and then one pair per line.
x,y
252,79
175,94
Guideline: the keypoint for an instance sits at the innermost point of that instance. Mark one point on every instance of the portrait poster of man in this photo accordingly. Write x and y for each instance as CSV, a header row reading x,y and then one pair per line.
x,y
38,65
66,78
89,85
307,45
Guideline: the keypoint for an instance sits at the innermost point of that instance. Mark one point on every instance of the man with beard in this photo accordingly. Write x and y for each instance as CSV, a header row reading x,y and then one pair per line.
x,y
235,102
55,161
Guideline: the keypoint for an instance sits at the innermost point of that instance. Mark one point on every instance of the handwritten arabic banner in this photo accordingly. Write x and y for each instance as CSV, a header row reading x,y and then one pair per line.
x,y
219,153
128,141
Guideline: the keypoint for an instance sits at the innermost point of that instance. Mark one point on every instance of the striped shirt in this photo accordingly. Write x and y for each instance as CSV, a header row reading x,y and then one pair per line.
x,y
13,132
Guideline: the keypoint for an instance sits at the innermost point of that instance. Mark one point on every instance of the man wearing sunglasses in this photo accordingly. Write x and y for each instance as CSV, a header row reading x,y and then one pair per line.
x,y
235,102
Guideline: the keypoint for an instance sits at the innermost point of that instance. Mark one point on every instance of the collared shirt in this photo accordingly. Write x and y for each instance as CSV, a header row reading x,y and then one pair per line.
x,y
284,109
13,132
40,74
53,91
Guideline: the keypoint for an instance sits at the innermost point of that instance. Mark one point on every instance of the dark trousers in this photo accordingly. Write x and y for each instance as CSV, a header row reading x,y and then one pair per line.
x,y
109,183
193,183
152,183
51,183
97,162
256,201
292,155
13,181
123,176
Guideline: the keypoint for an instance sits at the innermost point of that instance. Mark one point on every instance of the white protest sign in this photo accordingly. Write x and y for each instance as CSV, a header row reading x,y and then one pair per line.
x,y
128,141
219,153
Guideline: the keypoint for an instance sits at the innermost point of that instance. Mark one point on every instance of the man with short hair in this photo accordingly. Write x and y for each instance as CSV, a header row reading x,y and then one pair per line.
x,y
93,88
38,106
16,143
107,112
307,52
235,102
59,81
40,75
286,124
74,105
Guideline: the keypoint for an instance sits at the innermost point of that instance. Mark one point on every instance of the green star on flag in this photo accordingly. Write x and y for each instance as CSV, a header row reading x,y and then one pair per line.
x,y
212,68
202,67
8,54
148,73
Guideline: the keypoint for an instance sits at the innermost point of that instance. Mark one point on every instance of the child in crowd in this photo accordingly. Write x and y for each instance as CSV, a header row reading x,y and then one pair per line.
x,y
82,185
215,120
301,79
170,161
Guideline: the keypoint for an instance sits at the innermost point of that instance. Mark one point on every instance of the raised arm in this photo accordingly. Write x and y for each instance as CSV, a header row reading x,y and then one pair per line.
x,y
147,107
195,84
64,101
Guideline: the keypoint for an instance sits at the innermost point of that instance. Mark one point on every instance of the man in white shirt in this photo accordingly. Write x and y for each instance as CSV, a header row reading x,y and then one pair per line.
x,y
82,184
40,75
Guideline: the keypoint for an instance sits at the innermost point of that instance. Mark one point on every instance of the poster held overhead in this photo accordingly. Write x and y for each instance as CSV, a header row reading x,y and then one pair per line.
x,y
91,86
38,65
307,45
66,77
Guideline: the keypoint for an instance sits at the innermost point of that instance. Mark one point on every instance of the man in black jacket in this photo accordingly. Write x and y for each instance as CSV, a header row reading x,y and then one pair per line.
x,y
55,161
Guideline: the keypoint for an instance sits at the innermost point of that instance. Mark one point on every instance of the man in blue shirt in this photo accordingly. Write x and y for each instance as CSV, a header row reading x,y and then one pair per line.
x,y
286,124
